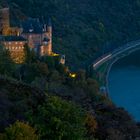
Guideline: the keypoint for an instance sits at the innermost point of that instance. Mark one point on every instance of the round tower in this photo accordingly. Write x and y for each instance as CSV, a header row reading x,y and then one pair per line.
x,y
45,49
49,30
4,21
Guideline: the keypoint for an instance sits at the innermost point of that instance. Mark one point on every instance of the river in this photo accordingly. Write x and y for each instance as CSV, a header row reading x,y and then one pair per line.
x,y
124,84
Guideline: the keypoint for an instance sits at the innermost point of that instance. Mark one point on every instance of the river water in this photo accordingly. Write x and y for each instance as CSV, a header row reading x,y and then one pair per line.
x,y
124,84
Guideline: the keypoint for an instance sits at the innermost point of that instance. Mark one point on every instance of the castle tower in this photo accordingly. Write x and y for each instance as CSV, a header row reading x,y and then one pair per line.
x,y
44,49
49,30
4,21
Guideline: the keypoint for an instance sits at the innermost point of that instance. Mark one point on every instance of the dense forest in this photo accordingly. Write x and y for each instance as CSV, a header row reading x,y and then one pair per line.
x,y
40,100
83,28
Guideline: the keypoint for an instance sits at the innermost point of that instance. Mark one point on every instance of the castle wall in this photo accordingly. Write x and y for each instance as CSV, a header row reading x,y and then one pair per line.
x,y
16,49
34,40
46,48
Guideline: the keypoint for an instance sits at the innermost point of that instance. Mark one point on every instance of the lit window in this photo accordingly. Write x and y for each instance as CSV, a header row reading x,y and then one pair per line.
x,y
72,75
9,42
16,42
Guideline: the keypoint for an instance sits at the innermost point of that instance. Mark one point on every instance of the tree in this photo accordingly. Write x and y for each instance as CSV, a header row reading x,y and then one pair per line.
x,y
91,125
29,54
59,120
50,61
19,131
7,66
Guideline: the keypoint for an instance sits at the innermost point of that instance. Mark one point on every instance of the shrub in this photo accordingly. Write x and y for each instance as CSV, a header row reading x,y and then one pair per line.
x,y
19,131
59,120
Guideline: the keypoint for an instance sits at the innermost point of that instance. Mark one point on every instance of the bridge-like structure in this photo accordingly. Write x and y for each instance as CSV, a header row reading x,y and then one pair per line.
x,y
117,53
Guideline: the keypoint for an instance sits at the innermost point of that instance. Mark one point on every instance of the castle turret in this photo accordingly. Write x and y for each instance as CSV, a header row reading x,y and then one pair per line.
x,y
44,49
4,21
49,30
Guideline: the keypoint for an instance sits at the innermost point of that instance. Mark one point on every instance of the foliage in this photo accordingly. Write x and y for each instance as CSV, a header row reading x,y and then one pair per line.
x,y
59,120
7,66
19,131
83,29
91,125
50,61
30,55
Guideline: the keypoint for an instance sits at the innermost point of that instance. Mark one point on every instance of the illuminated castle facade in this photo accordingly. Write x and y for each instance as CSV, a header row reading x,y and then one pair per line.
x,y
37,35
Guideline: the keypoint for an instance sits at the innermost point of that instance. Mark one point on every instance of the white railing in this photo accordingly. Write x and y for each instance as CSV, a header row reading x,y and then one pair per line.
x,y
114,53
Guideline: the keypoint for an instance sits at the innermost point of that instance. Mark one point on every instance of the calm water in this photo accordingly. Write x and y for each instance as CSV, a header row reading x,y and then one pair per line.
x,y
124,84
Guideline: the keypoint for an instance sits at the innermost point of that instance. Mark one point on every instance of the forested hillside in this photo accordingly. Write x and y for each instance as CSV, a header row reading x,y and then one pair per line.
x,y
83,28
42,99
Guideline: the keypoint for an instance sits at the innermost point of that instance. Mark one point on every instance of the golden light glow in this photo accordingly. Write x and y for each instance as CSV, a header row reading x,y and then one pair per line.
x,y
54,54
72,75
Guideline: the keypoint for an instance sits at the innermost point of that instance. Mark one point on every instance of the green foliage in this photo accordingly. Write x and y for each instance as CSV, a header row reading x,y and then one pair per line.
x,y
7,66
50,61
30,55
29,72
19,131
83,29
91,125
59,120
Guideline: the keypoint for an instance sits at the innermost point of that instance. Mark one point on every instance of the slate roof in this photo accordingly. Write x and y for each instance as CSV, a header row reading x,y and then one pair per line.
x,y
12,38
32,25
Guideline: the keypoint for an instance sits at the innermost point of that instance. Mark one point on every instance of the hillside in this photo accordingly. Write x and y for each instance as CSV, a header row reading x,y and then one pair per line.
x,y
41,95
85,29
40,99
26,103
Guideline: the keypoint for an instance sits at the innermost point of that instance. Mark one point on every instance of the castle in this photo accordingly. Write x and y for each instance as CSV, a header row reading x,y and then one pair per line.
x,y
31,31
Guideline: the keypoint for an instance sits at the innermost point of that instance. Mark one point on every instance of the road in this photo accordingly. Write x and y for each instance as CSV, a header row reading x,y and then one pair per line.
x,y
101,60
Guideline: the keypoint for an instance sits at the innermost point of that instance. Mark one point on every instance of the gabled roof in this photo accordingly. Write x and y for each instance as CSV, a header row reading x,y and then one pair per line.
x,y
32,25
